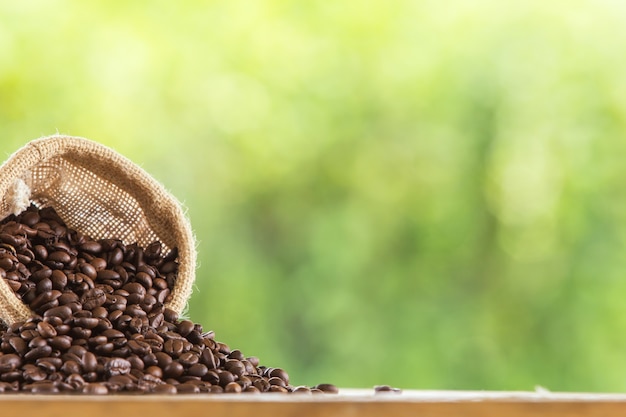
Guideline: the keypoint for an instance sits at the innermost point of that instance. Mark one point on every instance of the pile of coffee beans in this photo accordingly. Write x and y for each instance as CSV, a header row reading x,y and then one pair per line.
x,y
100,325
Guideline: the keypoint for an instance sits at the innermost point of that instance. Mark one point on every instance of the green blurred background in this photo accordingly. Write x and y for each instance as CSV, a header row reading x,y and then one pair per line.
x,y
425,194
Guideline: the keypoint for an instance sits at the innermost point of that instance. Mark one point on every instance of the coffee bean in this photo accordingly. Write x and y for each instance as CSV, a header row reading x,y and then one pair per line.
x,y
208,359
225,378
33,373
44,285
185,327
43,387
88,270
279,373
89,362
71,367
59,256
18,345
95,389
91,247
188,359
386,389
187,388
59,280
235,367
38,352
93,298
63,311
328,388
99,264
46,329
198,369
9,362
165,389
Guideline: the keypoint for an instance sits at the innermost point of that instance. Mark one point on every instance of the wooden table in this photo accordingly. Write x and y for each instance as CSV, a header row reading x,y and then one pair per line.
x,y
362,403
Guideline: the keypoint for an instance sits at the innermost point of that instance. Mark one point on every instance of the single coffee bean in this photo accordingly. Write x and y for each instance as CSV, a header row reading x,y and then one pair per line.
x,y
235,367
33,373
167,389
43,387
173,370
38,352
59,280
63,311
46,329
328,388
185,327
93,298
18,345
59,256
36,342
378,389
187,389
208,359
279,373
9,362
95,389
232,388
225,378
197,369
89,362
188,359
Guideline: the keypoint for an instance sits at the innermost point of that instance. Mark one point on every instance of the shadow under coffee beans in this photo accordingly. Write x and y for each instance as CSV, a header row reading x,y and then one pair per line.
x,y
99,323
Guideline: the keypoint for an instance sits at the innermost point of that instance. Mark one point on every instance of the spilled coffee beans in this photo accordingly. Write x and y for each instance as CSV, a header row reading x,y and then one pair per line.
x,y
100,325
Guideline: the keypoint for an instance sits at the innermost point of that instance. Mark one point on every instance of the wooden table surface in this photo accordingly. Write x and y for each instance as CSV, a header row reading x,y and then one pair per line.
x,y
362,403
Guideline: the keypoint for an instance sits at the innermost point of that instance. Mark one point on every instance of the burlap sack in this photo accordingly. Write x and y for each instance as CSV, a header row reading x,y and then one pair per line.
x,y
101,194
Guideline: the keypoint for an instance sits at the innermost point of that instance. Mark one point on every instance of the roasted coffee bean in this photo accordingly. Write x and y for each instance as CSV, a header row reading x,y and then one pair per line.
x,y
279,373
386,389
61,342
235,367
91,246
198,369
208,359
225,378
93,298
46,329
70,367
88,270
45,298
187,388
139,347
63,311
18,345
165,389
59,280
56,362
60,256
38,352
9,362
95,389
89,362
37,341
185,327
329,388
232,388
173,370
33,373
117,366
43,387
188,359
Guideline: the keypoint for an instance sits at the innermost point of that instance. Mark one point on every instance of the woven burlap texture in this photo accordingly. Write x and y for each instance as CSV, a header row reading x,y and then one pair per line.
x,y
100,193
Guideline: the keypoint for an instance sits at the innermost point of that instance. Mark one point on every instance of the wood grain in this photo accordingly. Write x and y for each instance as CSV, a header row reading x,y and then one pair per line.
x,y
360,403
